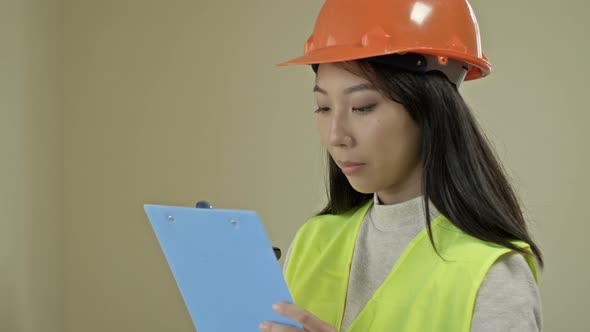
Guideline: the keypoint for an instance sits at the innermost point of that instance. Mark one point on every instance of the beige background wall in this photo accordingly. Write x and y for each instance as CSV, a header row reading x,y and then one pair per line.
x,y
107,105
31,155
173,103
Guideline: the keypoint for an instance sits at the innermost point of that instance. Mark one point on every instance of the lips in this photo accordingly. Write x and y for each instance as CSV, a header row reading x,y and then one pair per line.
x,y
350,167
347,163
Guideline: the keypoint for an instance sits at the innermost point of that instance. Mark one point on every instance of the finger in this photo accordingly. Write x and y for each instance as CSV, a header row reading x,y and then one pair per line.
x,y
304,317
275,327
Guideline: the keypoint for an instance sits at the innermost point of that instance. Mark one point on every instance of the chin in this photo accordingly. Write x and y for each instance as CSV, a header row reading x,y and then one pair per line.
x,y
363,188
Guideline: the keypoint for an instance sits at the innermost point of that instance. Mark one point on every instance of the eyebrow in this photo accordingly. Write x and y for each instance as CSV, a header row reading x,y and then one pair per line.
x,y
347,91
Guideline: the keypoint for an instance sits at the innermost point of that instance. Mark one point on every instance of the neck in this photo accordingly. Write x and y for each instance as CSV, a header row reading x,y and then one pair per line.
x,y
387,198
410,187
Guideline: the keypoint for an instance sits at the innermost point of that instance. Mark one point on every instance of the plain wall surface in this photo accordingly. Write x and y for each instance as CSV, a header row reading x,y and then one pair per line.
x,y
170,103
30,168
108,105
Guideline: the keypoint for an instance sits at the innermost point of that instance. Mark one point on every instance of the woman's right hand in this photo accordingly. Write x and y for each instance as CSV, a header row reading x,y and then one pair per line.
x,y
310,322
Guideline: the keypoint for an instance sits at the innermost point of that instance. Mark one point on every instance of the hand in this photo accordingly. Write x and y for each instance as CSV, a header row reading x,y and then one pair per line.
x,y
310,322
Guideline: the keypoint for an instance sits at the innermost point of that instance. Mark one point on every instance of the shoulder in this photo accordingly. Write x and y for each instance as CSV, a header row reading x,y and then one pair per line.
x,y
511,267
482,258
508,298
319,231
511,274
456,244
329,224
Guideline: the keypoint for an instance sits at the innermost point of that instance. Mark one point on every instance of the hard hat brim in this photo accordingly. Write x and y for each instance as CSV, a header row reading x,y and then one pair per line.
x,y
480,67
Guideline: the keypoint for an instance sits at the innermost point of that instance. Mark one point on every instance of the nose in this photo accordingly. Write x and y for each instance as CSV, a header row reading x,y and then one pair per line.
x,y
339,129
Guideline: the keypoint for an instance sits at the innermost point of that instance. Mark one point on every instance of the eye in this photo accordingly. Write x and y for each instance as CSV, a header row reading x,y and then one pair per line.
x,y
365,109
322,110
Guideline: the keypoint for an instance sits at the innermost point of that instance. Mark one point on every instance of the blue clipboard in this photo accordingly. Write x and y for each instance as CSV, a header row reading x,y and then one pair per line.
x,y
224,266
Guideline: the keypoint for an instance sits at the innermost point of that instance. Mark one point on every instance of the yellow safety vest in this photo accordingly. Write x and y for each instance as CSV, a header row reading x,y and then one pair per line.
x,y
421,293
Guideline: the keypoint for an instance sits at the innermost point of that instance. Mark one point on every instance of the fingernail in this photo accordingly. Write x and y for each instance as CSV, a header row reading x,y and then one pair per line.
x,y
264,326
276,307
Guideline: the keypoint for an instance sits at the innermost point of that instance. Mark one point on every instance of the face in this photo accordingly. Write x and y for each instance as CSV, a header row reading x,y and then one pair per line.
x,y
373,139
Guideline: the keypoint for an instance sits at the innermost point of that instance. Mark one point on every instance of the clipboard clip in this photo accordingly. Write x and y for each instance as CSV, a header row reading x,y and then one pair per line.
x,y
207,205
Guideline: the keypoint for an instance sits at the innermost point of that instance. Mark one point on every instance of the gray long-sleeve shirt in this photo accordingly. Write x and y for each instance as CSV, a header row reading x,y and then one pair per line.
x,y
508,299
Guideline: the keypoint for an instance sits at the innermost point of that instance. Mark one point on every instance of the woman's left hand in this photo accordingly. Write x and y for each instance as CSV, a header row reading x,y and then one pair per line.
x,y
310,322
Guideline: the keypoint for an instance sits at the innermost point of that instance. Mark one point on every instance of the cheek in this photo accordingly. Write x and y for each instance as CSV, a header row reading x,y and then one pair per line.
x,y
394,146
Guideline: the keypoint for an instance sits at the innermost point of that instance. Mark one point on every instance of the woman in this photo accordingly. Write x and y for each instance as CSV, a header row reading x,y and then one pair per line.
x,y
422,231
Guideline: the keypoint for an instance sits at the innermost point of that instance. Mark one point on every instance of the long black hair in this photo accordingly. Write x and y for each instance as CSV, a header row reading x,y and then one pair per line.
x,y
461,174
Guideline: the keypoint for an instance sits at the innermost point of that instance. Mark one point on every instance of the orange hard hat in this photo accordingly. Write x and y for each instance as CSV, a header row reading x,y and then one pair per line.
x,y
445,31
